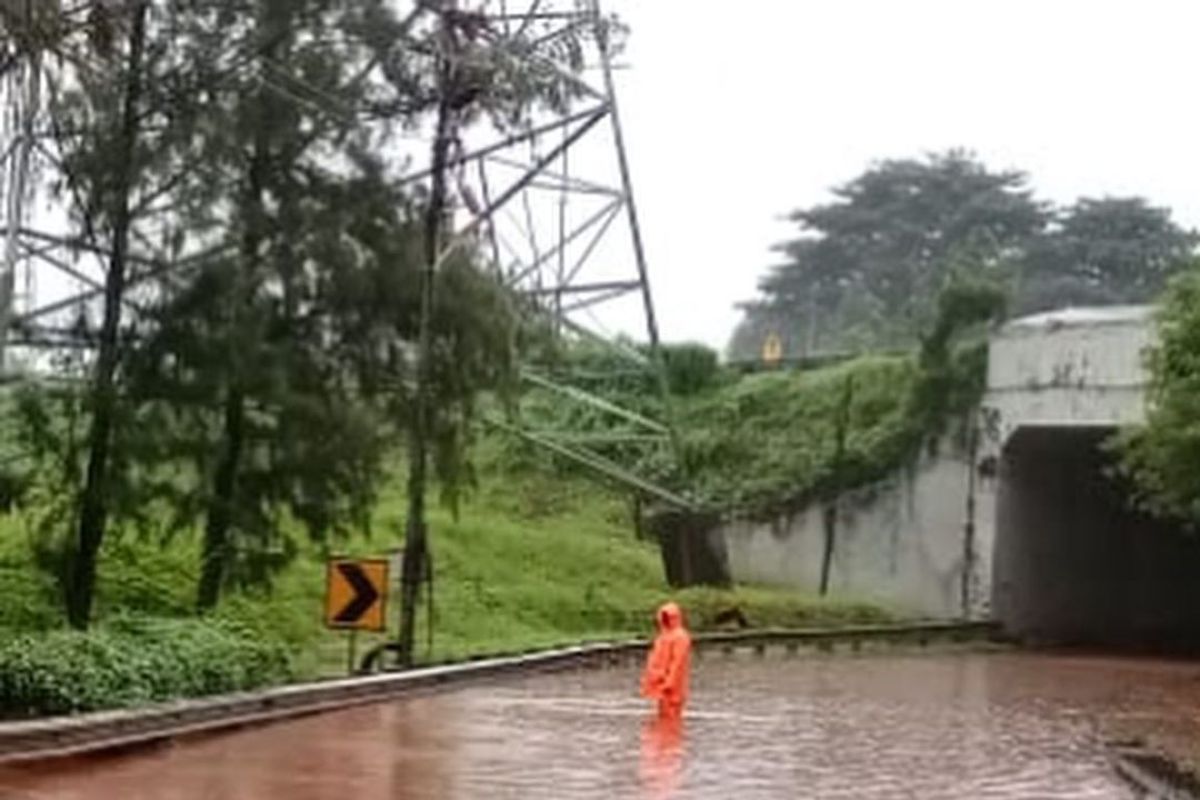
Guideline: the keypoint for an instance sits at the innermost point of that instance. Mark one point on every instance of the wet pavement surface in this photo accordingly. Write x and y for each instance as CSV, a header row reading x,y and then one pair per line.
x,y
878,726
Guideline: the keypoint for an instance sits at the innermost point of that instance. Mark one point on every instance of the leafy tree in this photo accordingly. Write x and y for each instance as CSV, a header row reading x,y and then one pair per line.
x,y
267,382
951,379
239,366
868,267
1163,456
105,167
1104,251
283,371
259,327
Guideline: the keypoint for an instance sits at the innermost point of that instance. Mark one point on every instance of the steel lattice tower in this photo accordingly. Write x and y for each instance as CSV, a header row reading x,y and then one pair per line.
x,y
551,203
554,207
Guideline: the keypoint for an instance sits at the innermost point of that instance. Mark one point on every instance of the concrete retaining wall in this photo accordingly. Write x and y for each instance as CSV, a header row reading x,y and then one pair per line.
x,y
901,543
904,543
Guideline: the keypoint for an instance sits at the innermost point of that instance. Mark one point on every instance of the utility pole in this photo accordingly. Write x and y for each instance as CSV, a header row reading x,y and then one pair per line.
x,y
416,546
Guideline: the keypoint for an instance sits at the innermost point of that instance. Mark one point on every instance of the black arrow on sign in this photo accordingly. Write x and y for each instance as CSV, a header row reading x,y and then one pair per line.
x,y
364,594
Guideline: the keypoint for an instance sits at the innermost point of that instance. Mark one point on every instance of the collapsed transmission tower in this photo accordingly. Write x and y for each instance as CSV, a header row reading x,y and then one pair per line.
x,y
549,201
553,206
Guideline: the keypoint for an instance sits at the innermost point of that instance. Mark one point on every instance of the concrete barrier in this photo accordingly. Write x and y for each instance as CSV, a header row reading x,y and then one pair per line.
x,y
61,737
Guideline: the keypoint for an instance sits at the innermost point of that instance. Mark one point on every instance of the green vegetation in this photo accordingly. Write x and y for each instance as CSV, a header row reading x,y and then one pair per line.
x,y
535,555
864,270
772,441
1163,456
132,661
534,559
261,393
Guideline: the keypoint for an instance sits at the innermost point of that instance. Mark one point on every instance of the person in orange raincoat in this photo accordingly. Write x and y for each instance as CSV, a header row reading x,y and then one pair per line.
x,y
665,678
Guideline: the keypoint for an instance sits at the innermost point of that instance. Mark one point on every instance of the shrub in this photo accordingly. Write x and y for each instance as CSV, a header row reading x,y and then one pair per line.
x,y
133,661
691,368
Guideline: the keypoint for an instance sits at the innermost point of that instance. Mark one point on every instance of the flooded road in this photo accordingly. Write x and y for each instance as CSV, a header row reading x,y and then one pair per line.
x,y
882,726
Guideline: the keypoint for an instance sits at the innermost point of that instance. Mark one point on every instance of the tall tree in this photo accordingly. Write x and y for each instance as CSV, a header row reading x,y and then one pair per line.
x,y
868,267
111,207
266,380
121,113
238,359
277,374
1104,251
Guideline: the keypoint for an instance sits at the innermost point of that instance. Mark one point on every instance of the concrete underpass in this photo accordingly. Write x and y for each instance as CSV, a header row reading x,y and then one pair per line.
x,y
1074,563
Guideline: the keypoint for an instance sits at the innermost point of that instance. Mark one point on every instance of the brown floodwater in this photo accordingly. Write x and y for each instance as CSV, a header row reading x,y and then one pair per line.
x,y
874,726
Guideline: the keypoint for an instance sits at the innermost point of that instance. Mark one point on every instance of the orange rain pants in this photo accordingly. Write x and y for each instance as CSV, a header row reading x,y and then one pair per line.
x,y
665,678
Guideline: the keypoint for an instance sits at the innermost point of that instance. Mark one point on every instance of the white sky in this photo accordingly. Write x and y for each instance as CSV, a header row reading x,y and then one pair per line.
x,y
736,113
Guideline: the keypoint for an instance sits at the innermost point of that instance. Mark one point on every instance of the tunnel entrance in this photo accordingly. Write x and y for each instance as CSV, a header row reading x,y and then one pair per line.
x,y
1074,564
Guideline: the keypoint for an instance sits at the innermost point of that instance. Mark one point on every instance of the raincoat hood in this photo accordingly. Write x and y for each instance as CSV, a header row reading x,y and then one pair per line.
x,y
669,616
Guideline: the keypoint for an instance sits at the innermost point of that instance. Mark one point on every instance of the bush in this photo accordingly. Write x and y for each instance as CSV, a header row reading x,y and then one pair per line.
x,y
691,368
1163,455
133,661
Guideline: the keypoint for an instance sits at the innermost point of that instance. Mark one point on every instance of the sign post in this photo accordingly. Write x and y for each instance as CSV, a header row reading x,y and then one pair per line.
x,y
356,596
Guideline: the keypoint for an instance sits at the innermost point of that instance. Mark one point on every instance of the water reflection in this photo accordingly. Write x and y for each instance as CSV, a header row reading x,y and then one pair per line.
x,y
662,755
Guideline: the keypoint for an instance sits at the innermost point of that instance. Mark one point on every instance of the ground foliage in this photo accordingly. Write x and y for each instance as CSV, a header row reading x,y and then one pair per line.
x,y
133,661
235,161
775,440
1162,457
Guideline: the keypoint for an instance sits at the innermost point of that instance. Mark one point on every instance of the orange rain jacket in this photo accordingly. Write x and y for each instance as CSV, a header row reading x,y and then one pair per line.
x,y
665,677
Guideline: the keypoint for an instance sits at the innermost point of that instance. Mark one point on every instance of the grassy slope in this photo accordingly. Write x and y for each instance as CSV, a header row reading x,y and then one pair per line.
x,y
535,557
768,440
532,560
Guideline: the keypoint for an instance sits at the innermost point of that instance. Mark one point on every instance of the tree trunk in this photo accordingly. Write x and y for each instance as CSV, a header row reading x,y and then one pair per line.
x,y
829,522
216,550
415,541
93,507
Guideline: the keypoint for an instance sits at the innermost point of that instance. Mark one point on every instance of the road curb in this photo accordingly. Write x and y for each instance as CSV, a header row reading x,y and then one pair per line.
x,y
62,737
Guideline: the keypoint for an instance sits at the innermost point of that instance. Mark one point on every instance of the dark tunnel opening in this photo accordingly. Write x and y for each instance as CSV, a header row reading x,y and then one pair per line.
x,y
1074,563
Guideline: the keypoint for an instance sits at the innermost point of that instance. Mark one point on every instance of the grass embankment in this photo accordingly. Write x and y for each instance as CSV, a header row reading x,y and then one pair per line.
x,y
770,441
532,560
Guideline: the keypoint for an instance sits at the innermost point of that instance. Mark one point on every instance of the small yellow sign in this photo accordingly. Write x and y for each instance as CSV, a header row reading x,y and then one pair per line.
x,y
772,349
356,594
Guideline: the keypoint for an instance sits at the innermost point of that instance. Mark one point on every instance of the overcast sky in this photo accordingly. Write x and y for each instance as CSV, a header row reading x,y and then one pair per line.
x,y
736,113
